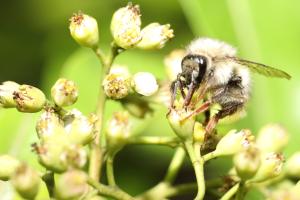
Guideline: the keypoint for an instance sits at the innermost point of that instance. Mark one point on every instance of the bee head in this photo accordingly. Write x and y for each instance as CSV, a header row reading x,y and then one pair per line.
x,y
194,66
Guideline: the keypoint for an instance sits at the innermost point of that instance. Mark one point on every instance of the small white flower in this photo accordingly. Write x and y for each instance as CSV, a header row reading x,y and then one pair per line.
x,y
126,26
64,92
7,90
116,84
84,30
155,36
145,83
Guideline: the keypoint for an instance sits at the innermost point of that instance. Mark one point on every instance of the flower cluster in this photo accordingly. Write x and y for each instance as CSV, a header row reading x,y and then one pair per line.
x,y
73,147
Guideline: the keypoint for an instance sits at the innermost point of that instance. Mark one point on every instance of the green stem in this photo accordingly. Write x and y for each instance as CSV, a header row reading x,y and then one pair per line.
x,y
185,188
198,162
112,192
175,165
230,193
110,170
48,178
160,190
241,192
96,156
210,156
155,140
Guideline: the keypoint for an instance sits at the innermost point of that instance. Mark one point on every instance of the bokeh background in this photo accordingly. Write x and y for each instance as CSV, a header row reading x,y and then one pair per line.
x,y
36,49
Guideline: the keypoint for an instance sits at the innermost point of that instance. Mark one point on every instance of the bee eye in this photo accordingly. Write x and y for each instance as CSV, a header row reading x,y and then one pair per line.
x,y
196,64
193,61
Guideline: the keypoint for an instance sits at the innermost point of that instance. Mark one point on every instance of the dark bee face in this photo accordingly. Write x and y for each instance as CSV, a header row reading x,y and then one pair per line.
x,y
194,67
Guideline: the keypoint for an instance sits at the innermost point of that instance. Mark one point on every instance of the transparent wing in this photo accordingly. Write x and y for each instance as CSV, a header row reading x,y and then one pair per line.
x,y
261,68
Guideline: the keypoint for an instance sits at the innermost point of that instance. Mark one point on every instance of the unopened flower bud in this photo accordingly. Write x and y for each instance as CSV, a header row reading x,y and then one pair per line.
x,y
145,83
199,132
26,181
272,138
295,191
182,127
7,90
155,36
117,84
80,129
49,125
52,154
84,30
247,162
71,185
292,167
8,166
76,156
64,92
173,63
270,167
29,99
126,26
234,141
118,130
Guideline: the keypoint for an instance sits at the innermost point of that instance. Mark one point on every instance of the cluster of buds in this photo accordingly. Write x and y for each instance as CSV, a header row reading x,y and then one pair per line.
x,y
284,190
119,83
127,32
263,160
62,139
24,179
254,161
25,98
125,28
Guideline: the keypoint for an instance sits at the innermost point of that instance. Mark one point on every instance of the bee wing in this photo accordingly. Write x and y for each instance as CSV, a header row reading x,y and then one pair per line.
x,y
261,68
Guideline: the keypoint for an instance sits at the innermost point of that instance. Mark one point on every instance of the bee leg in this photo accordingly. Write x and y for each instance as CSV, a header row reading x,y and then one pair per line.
x,y
189,95
181,87
174,87
204,107
228,108
211,124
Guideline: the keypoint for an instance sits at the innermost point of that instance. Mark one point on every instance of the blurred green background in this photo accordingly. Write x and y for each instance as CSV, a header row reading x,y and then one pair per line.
x,y
36,49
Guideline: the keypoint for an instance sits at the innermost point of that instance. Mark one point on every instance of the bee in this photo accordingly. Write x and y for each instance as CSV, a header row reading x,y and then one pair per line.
x,y
211,67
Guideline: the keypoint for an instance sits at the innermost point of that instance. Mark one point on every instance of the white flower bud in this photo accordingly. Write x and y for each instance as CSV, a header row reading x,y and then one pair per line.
x,y
126,26
182,127
272,138
117,84
117,131
64,92
52,153
71,185
145,83
76,156
247,162
26,181
29,99
271,166
84,30
155,36
80,129
173,63
292,166
7,91
49,125
8,166
234,141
